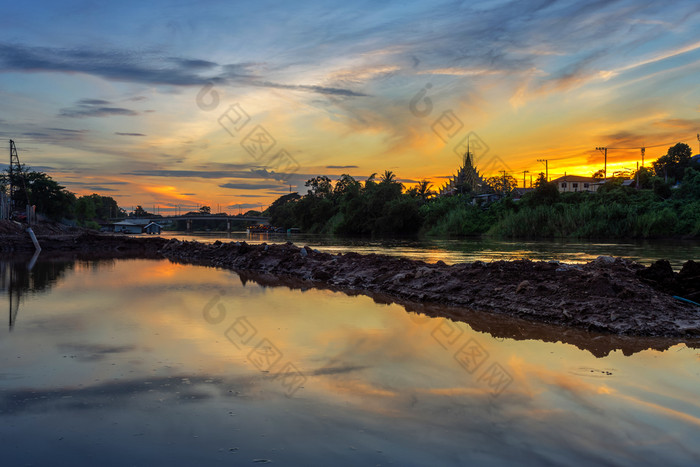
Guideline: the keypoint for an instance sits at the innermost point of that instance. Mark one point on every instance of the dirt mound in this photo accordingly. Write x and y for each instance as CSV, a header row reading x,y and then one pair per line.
x,y
608,294
685,283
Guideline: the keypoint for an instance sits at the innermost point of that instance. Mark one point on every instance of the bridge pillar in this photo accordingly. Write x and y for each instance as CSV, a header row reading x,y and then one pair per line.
x,y
189,225
228,225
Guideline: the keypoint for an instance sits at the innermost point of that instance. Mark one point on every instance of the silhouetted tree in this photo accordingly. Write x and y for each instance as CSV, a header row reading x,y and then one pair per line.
x,y
674,162
319,186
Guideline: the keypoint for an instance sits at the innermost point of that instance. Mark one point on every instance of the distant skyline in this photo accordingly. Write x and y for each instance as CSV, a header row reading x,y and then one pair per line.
x,y
179,103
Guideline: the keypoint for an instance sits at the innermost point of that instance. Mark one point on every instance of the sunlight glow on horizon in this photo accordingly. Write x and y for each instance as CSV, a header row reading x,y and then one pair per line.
x,y
116,108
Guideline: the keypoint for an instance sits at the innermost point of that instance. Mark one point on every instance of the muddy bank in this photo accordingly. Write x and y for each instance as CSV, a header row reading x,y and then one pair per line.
x,y
607,295
74,242
496,324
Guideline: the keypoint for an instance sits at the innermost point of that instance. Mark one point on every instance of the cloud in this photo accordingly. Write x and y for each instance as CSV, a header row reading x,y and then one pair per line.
x,y
55,135
310,88
141,67
244,206
115,65
342,167
95,108
210,174
250,186
128,134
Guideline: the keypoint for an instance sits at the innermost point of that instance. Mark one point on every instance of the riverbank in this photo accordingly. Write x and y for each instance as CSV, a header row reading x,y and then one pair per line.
x,y
606,295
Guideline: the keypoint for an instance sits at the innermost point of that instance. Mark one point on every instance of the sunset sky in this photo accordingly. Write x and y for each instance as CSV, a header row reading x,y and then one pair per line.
x,y
173,104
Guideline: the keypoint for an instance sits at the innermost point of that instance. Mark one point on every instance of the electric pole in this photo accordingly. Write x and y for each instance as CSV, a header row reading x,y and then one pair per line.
x,y
605,167
546,168
524,172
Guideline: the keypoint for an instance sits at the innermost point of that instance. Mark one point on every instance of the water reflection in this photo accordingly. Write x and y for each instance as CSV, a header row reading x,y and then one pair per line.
x,y
498,326
120,365
19,277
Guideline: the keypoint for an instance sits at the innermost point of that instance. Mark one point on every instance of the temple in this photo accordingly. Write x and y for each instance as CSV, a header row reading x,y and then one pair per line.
x,y
467,180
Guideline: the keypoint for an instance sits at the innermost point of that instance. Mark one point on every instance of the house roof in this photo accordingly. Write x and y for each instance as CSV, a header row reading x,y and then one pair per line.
x,y
576,178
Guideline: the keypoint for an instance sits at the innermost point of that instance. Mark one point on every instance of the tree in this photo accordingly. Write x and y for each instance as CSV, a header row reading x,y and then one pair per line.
x,y
205,210
94,206
346,184
388,177
282,210
422,190
85,209
140,212
319,186
599,175
674,162
545,192
502,184
40,190
643,177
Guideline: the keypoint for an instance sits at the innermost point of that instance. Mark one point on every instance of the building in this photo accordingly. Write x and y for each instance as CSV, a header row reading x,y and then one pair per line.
x,y
134,226
153,228
574,183
467,180
520,192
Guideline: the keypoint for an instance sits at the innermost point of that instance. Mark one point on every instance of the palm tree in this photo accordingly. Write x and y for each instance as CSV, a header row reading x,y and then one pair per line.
x,y
424,189
388,177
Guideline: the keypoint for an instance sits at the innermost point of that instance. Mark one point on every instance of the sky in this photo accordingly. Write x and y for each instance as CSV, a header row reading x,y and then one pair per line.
x,y
174,105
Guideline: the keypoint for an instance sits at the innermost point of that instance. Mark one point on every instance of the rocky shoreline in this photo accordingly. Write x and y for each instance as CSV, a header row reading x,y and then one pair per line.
x,y
608,295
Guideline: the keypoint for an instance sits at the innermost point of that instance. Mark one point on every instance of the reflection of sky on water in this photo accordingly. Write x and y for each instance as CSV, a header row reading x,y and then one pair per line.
x,y
477,249
116,364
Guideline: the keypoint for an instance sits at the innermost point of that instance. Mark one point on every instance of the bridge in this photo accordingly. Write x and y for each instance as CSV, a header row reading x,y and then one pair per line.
x,y
204,217
247,220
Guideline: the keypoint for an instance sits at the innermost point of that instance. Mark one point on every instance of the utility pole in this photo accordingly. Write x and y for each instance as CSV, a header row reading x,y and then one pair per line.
x,y
605,167
524,172
698,143
15,173
504,182
546,168
643,150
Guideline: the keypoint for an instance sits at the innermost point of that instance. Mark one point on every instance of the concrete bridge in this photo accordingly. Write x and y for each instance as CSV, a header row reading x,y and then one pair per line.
x,y
229,220
247,220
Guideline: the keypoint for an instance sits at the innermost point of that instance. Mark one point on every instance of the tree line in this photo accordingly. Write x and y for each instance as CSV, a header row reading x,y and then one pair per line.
x,y
55,202
664,200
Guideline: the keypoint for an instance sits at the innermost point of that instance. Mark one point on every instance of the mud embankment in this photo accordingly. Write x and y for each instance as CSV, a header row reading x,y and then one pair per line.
x,y
608,295
72,242
611,295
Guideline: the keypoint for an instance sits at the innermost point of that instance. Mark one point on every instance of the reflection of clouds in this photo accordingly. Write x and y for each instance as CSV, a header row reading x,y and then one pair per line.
x,y
94,352
366,365
663,410
108,394
337,370
113,394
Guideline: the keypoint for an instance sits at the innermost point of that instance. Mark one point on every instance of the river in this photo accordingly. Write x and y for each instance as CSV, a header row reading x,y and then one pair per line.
x,y
141,362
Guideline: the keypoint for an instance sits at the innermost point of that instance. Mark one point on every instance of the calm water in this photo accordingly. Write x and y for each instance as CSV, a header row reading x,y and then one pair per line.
x,y
461,250
142,362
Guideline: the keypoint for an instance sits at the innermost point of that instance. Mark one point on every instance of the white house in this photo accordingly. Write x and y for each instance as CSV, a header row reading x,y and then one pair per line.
x,y
573,183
